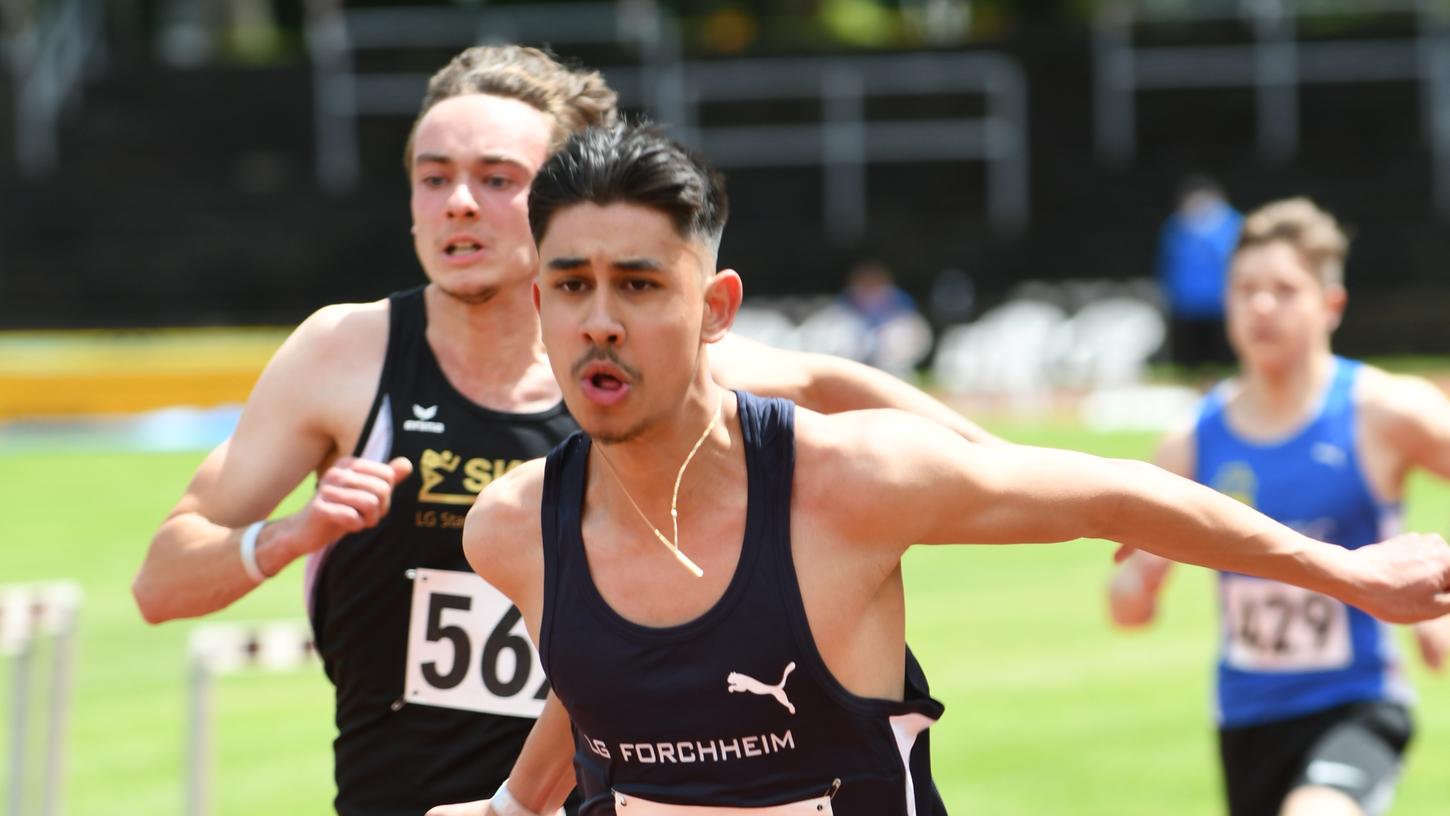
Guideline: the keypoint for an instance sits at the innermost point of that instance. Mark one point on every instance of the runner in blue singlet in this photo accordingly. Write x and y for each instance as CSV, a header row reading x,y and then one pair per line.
x,y
1312,702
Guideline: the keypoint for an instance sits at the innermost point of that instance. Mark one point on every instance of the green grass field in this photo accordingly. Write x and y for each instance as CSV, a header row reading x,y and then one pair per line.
x,y
1048,710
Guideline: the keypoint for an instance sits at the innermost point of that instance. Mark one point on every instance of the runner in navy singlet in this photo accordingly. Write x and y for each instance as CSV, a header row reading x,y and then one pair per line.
x,y
1312,701
716,579
405,408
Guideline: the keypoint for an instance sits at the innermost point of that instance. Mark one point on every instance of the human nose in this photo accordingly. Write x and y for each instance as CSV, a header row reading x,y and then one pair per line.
x,y
601,326
461,203
1262,302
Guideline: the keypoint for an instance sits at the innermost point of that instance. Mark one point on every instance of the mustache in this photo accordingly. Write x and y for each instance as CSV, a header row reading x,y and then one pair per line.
x,y
603,354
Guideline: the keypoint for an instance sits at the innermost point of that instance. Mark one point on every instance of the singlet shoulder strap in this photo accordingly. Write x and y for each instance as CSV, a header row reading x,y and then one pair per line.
x,y
406,320
565,470
407,323
768,426
1341,389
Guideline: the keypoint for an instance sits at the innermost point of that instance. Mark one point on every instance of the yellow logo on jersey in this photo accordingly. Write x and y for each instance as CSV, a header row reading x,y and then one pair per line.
x,y
434,468
1237,480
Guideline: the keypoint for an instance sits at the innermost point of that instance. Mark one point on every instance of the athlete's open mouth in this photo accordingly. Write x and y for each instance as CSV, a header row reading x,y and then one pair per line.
x,y
462,247
606,382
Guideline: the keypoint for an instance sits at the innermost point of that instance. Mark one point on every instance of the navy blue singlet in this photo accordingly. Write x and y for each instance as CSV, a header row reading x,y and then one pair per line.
x,y
735,708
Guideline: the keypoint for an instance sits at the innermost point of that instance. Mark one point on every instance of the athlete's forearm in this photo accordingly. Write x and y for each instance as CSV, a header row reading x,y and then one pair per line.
x,y
1184,521
194,567
838,385
543,774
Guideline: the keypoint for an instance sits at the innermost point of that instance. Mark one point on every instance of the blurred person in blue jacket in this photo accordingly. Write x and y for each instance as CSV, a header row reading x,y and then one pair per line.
x,y
1193,254
895,335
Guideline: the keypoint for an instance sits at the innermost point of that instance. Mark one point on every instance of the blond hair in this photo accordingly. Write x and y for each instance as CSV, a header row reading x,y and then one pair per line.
x,y
1312,232
573,97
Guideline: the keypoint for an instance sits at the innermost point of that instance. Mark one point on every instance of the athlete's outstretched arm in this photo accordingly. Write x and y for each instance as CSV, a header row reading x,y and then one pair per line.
x,y
828,384
194,565
1134,587
894,472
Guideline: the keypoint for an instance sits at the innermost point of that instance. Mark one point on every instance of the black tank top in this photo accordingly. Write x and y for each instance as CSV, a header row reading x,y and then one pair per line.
x,y
735,708
436,682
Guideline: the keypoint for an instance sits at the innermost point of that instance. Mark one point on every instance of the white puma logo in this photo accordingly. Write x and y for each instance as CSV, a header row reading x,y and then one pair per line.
x,y
735,681
424,413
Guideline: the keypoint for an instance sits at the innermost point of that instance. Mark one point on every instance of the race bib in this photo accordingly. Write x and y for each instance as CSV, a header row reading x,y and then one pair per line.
x,y
468,648
1273,627
635,806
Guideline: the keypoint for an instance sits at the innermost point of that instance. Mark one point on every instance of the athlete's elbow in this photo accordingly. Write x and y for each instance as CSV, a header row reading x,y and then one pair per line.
x,y
1130,617
150,602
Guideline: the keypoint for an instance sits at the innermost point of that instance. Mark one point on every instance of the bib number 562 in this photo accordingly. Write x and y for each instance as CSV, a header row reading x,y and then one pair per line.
x,y
467,648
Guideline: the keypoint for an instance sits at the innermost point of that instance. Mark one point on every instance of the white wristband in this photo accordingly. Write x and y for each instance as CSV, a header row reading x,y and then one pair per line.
x,y
503,803
249,552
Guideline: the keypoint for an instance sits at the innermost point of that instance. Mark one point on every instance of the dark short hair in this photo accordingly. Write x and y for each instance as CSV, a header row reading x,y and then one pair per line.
x,y
1199,183
632,164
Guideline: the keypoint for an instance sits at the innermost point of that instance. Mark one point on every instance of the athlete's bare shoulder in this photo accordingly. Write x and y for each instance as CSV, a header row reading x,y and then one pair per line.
x,y
853,468
345,331
1378,390
324,376
502,536
1405,412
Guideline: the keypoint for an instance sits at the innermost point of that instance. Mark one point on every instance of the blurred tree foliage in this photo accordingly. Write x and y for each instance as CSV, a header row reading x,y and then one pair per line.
x,y
271,30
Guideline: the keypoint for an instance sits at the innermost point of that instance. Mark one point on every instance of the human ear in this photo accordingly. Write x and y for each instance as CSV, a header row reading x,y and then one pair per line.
x,y
1335,300
723,293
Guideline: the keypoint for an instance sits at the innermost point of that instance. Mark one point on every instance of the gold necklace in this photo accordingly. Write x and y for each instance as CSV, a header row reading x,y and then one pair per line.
x,y
672,546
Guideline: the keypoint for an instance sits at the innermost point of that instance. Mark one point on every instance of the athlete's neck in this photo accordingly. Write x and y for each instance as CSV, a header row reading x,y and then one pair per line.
x,y
491,350
1274,400
647,464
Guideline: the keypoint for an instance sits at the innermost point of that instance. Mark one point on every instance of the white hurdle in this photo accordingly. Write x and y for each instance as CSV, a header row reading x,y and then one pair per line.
x,y
219,649
29,614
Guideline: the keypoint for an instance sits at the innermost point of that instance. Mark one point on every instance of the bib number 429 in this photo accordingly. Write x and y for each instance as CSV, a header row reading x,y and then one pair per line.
x,y
1276,627
468,649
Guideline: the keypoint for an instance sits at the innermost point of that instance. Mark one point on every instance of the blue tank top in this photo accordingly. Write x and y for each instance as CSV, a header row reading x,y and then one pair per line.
x,y
1284,651
736,707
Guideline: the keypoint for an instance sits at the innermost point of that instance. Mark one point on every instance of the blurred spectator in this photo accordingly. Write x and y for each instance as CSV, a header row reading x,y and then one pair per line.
x,y
895,335
1193,252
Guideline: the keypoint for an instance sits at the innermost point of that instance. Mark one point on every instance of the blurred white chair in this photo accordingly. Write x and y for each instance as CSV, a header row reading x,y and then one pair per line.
x,y
901,344
1006,352
832,330
1107,343
765,325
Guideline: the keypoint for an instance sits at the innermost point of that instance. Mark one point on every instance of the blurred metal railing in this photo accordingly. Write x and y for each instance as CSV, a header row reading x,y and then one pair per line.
x,y
48,51
846,141
343,94
843,142
1275,64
